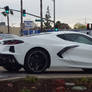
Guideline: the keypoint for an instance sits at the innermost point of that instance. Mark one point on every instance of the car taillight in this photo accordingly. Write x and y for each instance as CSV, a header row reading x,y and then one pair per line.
x,y
12,42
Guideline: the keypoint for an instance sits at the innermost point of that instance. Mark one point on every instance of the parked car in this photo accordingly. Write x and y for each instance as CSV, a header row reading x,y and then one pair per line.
x,y
54,49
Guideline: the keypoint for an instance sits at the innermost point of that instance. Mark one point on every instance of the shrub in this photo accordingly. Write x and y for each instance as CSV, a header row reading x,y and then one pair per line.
x,y
31,79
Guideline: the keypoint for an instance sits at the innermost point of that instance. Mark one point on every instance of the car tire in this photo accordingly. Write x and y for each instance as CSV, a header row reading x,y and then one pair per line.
x,y
12,65
36,61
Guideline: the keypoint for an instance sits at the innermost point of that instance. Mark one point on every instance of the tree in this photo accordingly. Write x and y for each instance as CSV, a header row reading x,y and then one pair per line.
x,y
47,23
60,25
79,26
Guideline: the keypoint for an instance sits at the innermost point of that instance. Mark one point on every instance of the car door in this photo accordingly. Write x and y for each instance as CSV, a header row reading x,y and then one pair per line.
x,y
81,56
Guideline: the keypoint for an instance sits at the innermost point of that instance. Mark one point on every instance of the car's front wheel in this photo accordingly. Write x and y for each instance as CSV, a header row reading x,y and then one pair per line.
x,y
36,61
11,64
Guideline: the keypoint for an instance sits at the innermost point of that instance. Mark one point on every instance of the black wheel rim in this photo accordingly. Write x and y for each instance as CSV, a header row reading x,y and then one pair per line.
x,y
37,61
12,64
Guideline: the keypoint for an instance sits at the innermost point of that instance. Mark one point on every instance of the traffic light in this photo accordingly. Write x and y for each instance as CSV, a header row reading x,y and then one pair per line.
x,y
4,13
24,13
56,27
6,9
11,12
89,26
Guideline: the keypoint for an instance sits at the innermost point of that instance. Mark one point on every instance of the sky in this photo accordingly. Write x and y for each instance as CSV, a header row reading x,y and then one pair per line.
x,y
67,11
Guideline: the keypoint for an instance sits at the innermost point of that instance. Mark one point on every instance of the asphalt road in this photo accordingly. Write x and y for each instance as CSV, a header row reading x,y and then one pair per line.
x,y
52,73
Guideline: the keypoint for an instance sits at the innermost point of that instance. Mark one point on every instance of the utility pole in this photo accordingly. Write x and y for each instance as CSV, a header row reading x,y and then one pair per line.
x,y
21,25
41,14
8,23
54,12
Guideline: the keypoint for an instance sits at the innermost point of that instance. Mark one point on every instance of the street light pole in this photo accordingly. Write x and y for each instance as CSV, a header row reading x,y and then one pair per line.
x,y
21,25
41,15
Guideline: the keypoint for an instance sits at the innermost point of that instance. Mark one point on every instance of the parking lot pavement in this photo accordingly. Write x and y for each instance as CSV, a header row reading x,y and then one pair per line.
x,y
50,73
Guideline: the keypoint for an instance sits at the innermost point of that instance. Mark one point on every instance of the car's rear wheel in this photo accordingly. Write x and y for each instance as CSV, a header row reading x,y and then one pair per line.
x,y
36,61
11,64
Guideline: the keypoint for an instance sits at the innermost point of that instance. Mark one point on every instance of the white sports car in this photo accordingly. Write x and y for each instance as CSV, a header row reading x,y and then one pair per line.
x,y
40,52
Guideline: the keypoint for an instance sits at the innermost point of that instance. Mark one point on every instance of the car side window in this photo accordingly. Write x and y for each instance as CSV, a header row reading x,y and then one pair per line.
x,y
84,39
76,38
69,37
